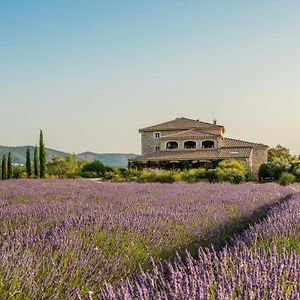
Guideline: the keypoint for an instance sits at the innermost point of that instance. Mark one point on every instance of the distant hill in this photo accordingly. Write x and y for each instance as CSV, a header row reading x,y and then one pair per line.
x,y
109,159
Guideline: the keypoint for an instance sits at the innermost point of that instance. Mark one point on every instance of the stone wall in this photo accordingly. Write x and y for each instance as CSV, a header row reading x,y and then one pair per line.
x,y
259,157
148,141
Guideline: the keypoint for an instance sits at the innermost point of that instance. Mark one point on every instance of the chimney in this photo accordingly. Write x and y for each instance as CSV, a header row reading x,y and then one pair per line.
x,y
215,122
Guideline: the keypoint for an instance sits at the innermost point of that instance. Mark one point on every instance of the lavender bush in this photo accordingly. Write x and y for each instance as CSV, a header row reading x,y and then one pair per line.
x,y
58,237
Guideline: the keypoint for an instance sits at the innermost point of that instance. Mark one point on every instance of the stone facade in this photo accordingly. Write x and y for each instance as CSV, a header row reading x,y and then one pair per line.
x,y
165,142
149,142
259,157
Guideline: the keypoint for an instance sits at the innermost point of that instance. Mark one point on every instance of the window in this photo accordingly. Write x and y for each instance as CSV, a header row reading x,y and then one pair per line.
x,y
157,148
235,152
189,145
156,135
172,145
208,144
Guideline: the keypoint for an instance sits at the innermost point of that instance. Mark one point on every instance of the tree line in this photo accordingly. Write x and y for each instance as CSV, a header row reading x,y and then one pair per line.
x,y
6,167
39,160
8,171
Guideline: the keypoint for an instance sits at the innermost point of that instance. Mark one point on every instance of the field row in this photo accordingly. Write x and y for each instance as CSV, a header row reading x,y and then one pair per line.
x,y
264,264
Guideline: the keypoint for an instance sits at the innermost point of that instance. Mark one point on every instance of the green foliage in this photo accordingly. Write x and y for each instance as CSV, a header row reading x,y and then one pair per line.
x,y
19,172
36,162
9,167
93,169
287,178
4,168
233,165
282,167
232,171
68,167
164,177
118,175
89,174
212,175
270,172
192,175
263,172
281,155
233,176
28,163
296,171
146,175
42,156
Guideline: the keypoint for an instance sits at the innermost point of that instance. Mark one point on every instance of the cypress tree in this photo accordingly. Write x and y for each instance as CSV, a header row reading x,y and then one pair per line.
x,y
28,163
9,167
4,171
42,156
36,162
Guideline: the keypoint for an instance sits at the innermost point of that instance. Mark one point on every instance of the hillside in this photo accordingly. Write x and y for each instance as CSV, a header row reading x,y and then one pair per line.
x,y
109,159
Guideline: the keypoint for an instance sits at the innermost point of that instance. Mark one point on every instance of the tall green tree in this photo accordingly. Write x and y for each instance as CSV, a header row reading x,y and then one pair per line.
x,y
36,162
281,155
28,163
9,167
4,169
42,156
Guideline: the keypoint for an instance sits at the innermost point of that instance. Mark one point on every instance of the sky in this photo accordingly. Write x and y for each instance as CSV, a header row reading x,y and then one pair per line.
x,y
91,73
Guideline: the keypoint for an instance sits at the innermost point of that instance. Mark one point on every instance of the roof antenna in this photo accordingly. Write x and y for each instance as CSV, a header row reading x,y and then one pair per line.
x,y
214,119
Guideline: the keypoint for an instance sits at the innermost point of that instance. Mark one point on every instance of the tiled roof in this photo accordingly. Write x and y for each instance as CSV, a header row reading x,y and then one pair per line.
x,y
227,142
176,155
181,124
190,134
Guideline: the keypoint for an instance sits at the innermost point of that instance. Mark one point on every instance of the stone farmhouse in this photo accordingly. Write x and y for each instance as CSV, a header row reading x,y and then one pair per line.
x,y
186,142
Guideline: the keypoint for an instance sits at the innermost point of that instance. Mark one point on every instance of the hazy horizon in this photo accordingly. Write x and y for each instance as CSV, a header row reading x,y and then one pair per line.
x,y
90,74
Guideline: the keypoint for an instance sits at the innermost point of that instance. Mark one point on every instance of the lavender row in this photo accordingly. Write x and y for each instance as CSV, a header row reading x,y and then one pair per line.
x,y
264,264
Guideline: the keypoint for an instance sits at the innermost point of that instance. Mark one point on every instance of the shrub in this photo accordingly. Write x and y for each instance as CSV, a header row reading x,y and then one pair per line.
x,y
233,164
263,172
231,170
19,172
287,178
67,167
94,167
89,174
276,170
193,175
234,176
296,171
164,177
116,175
146,176
270,171
212,175
177,176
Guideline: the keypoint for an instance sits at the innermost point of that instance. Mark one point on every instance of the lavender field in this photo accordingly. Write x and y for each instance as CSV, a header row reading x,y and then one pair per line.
x,y
61,239
264,263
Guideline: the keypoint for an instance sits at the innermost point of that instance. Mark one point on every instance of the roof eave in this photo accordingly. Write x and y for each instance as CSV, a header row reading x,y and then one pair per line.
x,y
148,129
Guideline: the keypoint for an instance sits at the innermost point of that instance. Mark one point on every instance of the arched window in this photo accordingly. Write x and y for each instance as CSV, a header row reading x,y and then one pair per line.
x,y
208,144
189,145
172,145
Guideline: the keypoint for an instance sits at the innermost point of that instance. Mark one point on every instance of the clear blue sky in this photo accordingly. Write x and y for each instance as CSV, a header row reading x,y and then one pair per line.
x,y
90,73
